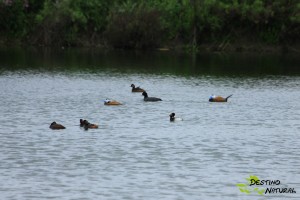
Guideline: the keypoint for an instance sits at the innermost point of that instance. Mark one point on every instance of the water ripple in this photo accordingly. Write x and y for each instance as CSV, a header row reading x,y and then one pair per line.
x,y
137,153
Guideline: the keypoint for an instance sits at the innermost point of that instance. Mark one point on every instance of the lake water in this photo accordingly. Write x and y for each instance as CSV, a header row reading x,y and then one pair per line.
x,y
137,153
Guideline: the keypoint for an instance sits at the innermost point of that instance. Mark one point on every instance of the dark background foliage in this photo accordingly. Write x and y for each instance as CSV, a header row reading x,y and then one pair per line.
x,y
140,24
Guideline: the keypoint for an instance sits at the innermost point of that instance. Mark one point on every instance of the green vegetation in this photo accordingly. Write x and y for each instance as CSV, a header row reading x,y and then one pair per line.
x,y
140,24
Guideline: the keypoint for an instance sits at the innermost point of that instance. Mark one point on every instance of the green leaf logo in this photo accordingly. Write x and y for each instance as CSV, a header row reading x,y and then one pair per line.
x,y
245,188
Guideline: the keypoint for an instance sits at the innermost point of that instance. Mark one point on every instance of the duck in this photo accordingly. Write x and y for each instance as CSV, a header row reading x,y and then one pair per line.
x,y
173,118
214,98
87,125
82,122
146,98
111,102
136,89
56,126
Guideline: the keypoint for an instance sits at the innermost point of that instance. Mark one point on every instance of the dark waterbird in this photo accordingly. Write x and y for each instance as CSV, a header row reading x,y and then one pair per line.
x,y
87,125
136,89
146,98
56,126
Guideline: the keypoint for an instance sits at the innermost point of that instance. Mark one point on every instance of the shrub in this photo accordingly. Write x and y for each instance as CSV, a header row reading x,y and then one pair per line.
x,y
133,26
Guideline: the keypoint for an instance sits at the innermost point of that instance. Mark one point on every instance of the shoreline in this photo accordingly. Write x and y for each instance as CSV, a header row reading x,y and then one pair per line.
x,y
244,47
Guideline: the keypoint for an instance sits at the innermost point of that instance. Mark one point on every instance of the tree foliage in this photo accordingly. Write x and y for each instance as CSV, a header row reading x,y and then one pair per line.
x,y
133,25
149,24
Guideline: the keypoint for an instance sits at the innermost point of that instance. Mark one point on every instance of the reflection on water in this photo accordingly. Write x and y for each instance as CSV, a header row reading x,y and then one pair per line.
x,y
137,153
74,60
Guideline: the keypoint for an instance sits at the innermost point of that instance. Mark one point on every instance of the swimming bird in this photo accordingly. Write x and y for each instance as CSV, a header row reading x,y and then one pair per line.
x,y
87,125
173,118
111,102
136,89
56,126
146,98
214,98
82,122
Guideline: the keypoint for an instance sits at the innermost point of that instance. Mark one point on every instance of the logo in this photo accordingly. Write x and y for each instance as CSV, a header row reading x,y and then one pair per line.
x,y
259,186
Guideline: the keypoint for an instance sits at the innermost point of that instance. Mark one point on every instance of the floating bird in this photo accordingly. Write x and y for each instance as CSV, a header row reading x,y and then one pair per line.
x,y
136,89
173,118
146,98
56,126
214,98
87,125
111,102
82,122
